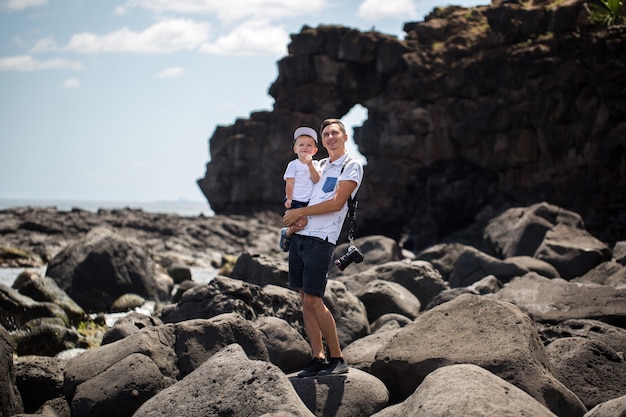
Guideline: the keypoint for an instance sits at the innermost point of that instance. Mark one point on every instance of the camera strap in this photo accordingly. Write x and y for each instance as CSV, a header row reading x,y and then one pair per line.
x,y
352,204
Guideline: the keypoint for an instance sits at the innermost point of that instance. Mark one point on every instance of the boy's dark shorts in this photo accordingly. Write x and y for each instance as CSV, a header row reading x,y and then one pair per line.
x,y
309,259
298,204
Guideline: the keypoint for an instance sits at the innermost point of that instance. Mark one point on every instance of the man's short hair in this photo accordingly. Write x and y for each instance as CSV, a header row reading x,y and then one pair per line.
x,y
333,121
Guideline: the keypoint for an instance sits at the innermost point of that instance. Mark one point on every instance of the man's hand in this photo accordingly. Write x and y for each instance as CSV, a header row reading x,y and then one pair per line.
x,y
291,217
297,226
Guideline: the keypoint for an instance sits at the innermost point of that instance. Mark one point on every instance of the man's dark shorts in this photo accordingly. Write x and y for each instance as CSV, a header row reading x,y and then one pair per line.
x,y
309,259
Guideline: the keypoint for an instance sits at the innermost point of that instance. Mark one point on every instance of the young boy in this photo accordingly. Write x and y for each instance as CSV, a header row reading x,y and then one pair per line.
x,y
300,175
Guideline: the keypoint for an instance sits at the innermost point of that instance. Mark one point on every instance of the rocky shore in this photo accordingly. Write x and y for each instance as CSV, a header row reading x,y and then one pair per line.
x,y
531,322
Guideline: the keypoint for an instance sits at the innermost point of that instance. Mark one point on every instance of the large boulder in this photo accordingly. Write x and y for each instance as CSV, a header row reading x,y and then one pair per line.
x,y
157,344
229,383
593,330
56,407
260,270
104,380
548,233
355,394
553,300
120,389
39,379
47,339
611,408
466,390
17,310
225,295
603,273
572,251
383,297
519,231
361,353
45,289
475,330
590,369
129,324
349,312
102,266
286,347
443,257
390,321
421,278
10,399
473,265
197,340
376,250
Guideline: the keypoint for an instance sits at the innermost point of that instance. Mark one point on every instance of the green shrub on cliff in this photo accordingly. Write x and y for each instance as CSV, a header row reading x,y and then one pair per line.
x,y
607,12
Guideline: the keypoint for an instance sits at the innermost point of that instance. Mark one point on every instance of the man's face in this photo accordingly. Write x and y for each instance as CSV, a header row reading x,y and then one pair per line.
x,y
333,137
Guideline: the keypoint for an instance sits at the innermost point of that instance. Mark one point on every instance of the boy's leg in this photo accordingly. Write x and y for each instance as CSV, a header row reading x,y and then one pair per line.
x,y
286,232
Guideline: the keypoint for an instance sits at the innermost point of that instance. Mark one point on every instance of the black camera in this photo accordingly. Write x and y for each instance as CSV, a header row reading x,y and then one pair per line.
x,y
353,255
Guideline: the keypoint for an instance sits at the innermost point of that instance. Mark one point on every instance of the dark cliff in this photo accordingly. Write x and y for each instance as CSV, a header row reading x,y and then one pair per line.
x,y
475,111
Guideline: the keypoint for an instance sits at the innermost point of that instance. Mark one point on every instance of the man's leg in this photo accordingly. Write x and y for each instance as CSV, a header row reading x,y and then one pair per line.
x,y
312,329
319,321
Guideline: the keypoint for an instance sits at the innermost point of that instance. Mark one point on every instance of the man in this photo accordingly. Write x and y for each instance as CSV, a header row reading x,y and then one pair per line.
x,y
312,246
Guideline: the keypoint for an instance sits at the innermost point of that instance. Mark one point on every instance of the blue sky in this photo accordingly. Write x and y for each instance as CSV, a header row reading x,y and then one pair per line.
x,y
116,100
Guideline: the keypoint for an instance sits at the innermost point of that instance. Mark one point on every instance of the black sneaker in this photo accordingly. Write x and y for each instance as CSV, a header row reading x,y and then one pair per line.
x,y
313,368
284,240
335,366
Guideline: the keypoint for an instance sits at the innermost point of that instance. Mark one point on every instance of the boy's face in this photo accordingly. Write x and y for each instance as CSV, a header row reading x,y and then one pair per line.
x,y
305,145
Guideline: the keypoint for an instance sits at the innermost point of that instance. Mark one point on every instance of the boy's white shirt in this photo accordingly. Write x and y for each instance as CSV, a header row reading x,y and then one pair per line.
x,y
329,225
303,186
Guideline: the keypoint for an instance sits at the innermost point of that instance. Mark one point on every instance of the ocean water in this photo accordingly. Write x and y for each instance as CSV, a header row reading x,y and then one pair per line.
x,y
179,207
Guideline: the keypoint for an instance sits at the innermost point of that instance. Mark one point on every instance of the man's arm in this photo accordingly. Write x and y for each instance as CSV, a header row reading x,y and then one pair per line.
x,y
342,194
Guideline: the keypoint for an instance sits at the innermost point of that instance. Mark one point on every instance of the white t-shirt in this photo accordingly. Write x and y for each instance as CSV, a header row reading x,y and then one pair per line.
x,y
303,186
328,226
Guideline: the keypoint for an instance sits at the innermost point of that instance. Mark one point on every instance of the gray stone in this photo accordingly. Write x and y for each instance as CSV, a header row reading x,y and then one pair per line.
x,y
475,330
466,390
354,394
260,270
103,265
39,379
590,369
120,389
612,408
558,300
198,340
286,347
383,297
572,251
10,399
227,384
520,231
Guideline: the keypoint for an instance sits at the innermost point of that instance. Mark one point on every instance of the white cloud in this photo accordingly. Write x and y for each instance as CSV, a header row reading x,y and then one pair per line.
x,y
380,9
17,5
162,37
26,63
45,44
229,10
71,83
172,72
251,38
